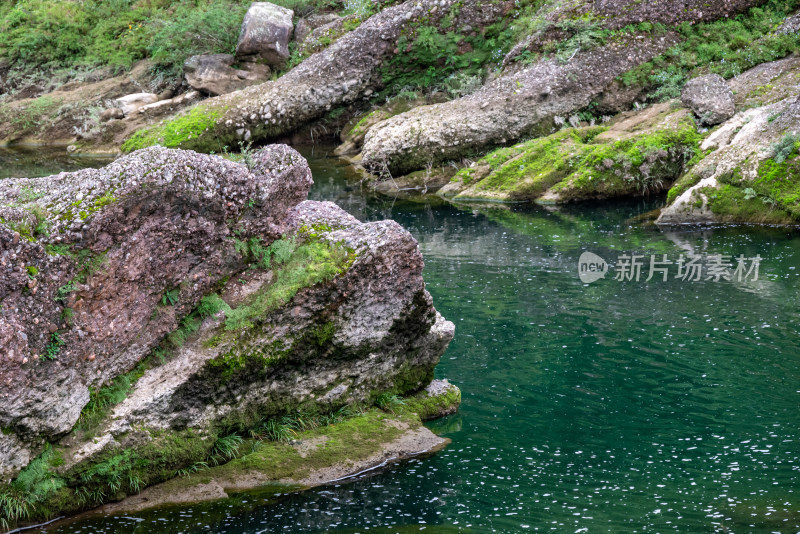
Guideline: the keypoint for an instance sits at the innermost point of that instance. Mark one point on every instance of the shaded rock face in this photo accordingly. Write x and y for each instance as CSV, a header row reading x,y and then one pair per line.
x,y
156,221
265,34
213,74
710,98
130,251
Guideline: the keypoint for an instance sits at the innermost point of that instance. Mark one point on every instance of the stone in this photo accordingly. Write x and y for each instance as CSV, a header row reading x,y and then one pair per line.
x,y
161,221
130,103
306,25
213,74
710,98
265,33
111,114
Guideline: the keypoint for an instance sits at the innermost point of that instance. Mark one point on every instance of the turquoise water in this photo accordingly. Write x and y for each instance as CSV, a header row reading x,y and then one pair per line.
x,y
611,407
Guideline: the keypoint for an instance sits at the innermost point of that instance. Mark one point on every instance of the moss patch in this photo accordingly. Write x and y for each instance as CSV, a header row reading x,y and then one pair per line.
x,y
575,165
177,132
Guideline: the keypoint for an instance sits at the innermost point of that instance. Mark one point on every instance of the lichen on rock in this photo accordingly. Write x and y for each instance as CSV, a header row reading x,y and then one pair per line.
x,y
172,299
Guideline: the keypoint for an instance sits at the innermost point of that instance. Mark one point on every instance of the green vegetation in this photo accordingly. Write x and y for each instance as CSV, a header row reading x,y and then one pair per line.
x,y
296,266
34,485
33,117
578,165
53,348
71,36
102,399
178,131
726,47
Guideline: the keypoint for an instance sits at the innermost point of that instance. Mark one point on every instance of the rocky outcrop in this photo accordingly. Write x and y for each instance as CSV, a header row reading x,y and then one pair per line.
x,y
516,104
750,175
207,296
525,101
637,154
265,34
338,75
130,103
213,74
307,25
710,98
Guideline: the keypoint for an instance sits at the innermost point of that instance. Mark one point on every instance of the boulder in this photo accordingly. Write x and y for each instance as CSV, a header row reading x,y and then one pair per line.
x,y
213,292
265,33
130,103
790,25
213,74
710,98
111,114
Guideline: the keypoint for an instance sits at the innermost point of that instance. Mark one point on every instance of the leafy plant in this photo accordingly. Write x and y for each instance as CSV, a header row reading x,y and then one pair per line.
x,y
782,149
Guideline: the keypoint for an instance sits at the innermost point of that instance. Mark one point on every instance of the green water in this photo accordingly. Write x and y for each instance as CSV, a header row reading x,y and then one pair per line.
x,y
611,407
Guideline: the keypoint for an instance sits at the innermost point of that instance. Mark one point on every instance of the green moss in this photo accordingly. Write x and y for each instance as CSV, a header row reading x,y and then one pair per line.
x,y
428,407
351,440
308,264
103,399
576,165
730,204
685,183
179,131
32,488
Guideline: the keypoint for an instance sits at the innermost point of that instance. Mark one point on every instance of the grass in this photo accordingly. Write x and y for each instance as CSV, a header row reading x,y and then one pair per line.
x,y
726,47
63,34
296,266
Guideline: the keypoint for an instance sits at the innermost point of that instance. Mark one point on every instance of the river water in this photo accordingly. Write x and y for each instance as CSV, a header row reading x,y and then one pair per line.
x,y
615,406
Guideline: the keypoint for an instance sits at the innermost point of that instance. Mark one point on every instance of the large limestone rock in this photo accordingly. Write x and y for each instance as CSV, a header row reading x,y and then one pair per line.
x,y
514,105
710,98
213,74
155,272
265,33
749,176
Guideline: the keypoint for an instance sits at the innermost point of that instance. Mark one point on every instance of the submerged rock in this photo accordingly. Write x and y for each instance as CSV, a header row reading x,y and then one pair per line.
x,y
157,304
710,98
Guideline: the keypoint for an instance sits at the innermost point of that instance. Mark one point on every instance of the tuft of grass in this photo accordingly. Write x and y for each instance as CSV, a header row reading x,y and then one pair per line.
x,y
726,47
177,131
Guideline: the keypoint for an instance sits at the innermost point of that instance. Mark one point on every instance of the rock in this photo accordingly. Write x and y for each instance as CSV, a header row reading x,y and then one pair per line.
x,y
740,180
212,74
790,25
154,218
306,25
111,114
710,98
172,289
566,166
513,105
265,33
131,103
338,75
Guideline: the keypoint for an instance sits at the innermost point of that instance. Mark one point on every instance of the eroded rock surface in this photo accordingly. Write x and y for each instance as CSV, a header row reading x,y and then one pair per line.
x,y
710,98
265,33
213,295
